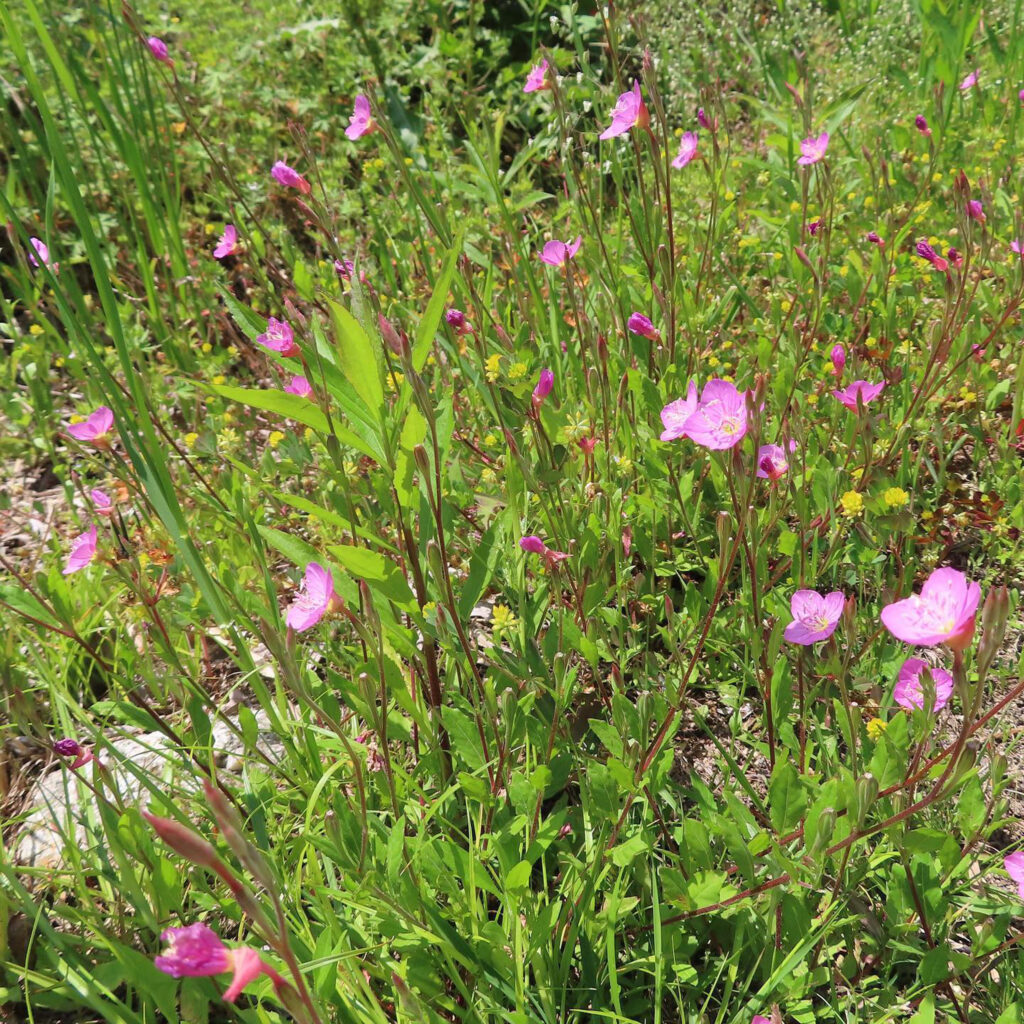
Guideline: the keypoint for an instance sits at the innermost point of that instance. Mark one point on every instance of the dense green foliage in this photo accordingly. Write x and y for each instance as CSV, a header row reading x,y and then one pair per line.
x,y
497,785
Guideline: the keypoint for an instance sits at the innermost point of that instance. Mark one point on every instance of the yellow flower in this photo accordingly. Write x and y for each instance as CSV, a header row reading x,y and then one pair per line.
x,y
502,618
218,379
490,439
492,368
178,127
875,728
794,207
35,329
307,434
812,399
896,497
852,503
276,437
190,439
729,195
517,371
395,381
206,347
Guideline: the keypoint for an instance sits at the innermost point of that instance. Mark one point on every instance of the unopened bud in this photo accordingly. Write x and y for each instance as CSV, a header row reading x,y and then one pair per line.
x,y
422,460
994,614
826,826
867,790
389,334
182,840
434,561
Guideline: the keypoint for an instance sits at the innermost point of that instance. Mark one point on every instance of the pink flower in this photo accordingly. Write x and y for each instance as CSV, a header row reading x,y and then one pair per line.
x,y
814,227
943,613
197,952
926,252
1014,865
640,324
675,414
278,338
909,692
227,242
361,122
954,257
535,80
95,428
545,383
813,149
72,748
758,1019
1018,247
720,420
975,210
158,48
316,598
921,123
838,356
970,81
875,239
101,501
771,462
814,617
704,121
861,389
457,321
687,149
535,546
289,177
299,386
629,111
83,551
41,254
556,253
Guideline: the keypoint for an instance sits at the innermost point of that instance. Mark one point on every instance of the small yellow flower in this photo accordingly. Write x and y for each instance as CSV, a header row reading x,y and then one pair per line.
x,y
492,368
517,371
852,503
489,476
794,207
812,399
275,438
206,348
712,361
218,379
896,497
786,305
502,618
190,439
937,176
228,438
307,434
211,229
729,195
875,728
178,127
490,439
395,381
844,270
35,329
869,202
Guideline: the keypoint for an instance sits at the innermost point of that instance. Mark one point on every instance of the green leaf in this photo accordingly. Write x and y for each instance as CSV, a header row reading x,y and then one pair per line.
x,y
357,359
293,407
435,307
787,798
380,573
518,877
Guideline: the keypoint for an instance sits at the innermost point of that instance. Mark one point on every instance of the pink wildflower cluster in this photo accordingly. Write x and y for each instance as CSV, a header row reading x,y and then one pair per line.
x,y
716,420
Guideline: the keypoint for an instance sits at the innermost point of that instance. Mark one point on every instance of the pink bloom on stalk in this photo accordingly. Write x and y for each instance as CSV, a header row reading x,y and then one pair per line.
x,y
704,121
1018,247
289,177
278,337
909,692
814,617
955,258
556,253
975,210
197,952
814,227
926,252
361,122
771,462
629,111
72,748
1014,865
687,149
41,256
970,81
545,383
675,414
861,389
101,501
83,551
943,613
640,324
457,321
921,123
299,386
535,80
720,420
535,546
316,598
812,149
838,357
875,239
95,428
226,243
158,48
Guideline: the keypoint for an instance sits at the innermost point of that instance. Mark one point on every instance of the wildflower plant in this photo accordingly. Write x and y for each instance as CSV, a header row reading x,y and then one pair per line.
x,y
545,640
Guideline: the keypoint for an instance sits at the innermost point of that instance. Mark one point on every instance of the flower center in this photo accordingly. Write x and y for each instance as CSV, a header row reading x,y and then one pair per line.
x,y
730,425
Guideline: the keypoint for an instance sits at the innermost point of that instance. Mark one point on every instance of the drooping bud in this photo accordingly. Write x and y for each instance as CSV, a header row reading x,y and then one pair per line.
x,y
182,840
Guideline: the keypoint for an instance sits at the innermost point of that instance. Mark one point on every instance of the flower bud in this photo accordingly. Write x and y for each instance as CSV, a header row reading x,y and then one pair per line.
x,y
389,334
544,385
838,356
826,826
921,124
994,614
182,840
866,791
